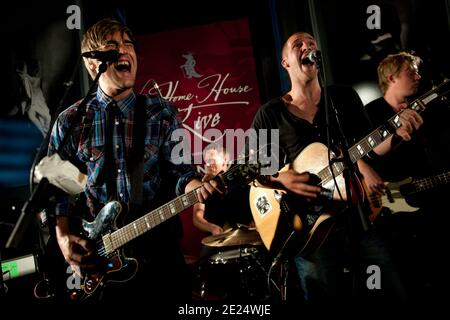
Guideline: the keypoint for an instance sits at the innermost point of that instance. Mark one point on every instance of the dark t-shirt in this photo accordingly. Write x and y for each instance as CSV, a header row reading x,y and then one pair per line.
x,y
295,133
427,153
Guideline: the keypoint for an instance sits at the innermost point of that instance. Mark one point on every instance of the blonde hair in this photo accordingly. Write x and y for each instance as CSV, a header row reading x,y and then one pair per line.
x,y
392,65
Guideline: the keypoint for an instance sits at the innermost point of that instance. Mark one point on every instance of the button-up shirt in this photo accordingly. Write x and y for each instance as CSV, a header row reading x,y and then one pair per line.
x,y
85,148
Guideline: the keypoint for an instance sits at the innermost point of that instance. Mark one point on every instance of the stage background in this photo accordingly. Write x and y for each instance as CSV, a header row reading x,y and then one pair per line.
x,y
208,73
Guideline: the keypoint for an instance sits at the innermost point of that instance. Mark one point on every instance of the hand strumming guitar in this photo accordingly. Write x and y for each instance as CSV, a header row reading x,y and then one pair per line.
x,y
294,182
78,252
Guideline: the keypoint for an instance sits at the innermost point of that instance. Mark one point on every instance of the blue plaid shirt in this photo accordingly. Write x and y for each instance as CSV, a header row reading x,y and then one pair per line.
x,y
86,145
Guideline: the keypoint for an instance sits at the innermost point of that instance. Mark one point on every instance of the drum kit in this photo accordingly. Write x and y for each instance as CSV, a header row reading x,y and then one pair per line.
x,y
237,267
234,237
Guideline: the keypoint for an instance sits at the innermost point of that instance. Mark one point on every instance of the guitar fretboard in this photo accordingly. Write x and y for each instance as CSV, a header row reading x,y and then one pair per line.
x,y
380,134
361,149
238,172
147,222
424,184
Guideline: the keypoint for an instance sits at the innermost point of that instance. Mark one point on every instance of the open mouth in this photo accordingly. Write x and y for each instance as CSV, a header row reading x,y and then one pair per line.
x,y
123,66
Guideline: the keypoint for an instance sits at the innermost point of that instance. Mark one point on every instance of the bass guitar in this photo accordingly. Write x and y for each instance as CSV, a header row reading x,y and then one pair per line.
x,y
267,203
399,195
110,237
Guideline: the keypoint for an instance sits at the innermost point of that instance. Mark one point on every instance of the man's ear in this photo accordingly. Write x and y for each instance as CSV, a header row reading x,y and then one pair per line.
x,y
284,63
391,78
90,64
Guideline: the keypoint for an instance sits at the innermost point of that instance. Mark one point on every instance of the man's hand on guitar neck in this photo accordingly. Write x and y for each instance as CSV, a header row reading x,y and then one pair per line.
x,y
205,188
296,183
410,121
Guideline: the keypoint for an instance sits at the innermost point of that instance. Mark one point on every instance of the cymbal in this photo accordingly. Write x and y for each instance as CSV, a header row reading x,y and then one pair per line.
x,y
234,237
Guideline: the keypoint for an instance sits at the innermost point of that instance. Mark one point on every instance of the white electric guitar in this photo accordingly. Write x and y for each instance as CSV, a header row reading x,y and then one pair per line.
x,y
399,194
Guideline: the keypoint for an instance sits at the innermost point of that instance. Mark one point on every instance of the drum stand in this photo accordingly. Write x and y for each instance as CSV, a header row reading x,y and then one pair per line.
x,y
283,280
282,286
284,270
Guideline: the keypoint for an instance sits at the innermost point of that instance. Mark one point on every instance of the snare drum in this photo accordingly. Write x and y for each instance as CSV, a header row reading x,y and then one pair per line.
x,y
232,256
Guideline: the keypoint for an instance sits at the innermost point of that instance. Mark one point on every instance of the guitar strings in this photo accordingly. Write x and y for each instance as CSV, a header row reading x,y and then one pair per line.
x,y
123,235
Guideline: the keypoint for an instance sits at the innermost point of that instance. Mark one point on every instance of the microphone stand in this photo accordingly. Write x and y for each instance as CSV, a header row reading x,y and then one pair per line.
x,y
349,166
23,224
354,195
40,196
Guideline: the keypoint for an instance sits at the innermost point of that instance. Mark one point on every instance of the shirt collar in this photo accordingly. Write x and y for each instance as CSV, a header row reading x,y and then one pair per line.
x,y
125,105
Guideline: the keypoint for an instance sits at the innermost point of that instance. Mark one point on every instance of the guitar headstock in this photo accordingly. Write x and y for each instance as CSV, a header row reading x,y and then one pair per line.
x,y
439,92
241,172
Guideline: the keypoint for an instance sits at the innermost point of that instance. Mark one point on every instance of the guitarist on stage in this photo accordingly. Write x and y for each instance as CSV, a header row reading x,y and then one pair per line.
x,y
108,158
424,155
299,116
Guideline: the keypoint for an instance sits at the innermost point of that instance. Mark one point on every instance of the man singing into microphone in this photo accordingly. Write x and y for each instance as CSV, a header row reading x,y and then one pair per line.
x,y
299,115
108,147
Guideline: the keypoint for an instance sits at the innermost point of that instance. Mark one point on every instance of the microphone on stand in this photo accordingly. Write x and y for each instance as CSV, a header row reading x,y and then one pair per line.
x,y
314,56
104,56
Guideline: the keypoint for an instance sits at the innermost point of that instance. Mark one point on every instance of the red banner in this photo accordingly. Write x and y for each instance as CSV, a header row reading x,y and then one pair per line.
x,y
208,73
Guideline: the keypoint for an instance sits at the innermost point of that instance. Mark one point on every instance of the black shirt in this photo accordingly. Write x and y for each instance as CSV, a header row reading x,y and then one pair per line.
x,y
425,155
295,133
428,152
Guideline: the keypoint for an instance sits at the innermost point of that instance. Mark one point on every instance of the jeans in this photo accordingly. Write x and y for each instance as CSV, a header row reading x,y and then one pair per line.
x,y
349,267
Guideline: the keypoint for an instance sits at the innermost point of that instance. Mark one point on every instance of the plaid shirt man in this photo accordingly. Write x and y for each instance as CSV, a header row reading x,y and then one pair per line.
x,y
86,147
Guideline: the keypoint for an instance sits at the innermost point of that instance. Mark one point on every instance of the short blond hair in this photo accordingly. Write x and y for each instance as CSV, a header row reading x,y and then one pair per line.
x,y
392,65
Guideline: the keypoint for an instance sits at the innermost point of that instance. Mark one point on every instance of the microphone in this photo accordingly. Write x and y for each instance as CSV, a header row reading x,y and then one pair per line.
x,y
104,56
314,56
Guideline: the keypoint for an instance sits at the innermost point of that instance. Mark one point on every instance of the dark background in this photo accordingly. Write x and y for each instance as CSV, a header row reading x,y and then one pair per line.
x,y
37,31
